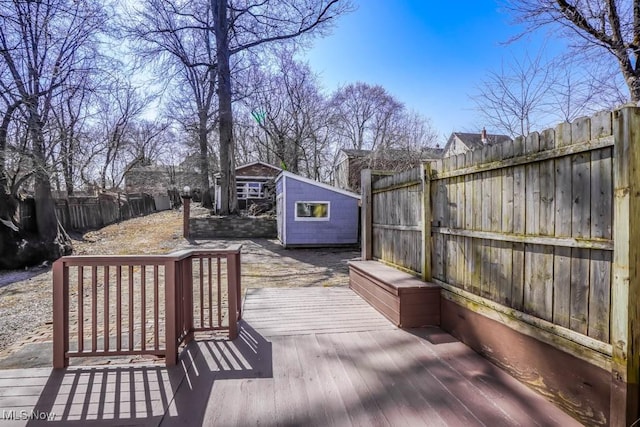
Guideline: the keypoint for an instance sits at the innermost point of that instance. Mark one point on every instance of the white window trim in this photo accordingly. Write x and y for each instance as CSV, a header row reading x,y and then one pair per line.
x,y
243,191
312,218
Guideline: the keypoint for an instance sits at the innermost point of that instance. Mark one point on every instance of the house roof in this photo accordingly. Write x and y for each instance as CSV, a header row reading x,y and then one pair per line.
x,y
317,184
396,154
474,140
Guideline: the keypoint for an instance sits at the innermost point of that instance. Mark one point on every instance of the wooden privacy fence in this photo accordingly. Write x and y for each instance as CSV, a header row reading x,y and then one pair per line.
x,y
528,225
85,213
541,234
393,210
134,305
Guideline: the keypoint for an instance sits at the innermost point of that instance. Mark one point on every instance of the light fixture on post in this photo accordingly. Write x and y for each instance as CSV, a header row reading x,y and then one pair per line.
x,y
186,204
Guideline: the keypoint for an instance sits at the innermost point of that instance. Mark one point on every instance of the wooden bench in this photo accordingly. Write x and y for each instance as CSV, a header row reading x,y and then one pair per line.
x,y
404,299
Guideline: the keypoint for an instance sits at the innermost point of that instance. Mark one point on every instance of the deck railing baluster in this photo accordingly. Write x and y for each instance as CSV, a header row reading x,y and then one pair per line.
x,y
219,284
182,271
156,278
201,296
94,308
143,307
80,309
106,307
210,323
187,286
131,326
119,308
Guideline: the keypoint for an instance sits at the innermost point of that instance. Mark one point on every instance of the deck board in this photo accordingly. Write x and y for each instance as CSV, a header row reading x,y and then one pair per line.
x,y
303,311
313,357
337,361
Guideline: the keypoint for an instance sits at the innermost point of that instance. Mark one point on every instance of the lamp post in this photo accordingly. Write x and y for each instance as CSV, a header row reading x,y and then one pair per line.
x,y
186,204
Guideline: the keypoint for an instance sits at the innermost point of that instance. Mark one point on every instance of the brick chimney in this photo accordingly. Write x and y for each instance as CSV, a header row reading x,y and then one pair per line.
x,y
484,135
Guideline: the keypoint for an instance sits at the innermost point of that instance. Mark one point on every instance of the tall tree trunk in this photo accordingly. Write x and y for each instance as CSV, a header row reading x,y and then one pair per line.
x,y
228,196
633,82
51,236
4,129
295,158
67,153
204,160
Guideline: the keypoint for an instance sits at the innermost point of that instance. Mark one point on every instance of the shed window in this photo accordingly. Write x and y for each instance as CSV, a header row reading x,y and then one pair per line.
x,y
312,211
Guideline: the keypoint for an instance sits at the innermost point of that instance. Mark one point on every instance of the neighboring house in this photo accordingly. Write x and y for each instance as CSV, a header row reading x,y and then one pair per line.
x,y
350,163
310,213
252,184
460,142
162,182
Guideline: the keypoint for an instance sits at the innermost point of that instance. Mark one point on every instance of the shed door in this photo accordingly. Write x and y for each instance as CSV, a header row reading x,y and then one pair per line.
x,y
280,216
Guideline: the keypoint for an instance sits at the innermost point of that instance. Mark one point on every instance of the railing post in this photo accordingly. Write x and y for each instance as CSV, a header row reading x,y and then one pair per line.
x,y
187,298
233,272
239,283
171,341
60,314
625,284
366,215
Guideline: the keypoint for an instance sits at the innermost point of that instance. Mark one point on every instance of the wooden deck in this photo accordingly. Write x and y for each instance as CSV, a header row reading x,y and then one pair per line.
x,y
311,356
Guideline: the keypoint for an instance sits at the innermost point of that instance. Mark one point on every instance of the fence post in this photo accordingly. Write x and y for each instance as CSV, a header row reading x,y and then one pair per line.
x,y
625,286
186,212
101,215
171,337
366,214
60,314
425,176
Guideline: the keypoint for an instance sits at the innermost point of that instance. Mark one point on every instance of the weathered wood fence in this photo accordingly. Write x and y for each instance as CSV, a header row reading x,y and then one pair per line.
x,y
541,234
395,218
84,213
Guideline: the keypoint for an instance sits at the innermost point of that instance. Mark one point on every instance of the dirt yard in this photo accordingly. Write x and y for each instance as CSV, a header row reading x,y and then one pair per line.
x,y
26,296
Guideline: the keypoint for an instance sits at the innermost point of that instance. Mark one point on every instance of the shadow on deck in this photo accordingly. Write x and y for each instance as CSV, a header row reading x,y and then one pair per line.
x,y
314,356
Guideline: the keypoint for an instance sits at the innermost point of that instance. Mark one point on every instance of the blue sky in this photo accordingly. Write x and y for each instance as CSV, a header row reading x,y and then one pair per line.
x,y
430,55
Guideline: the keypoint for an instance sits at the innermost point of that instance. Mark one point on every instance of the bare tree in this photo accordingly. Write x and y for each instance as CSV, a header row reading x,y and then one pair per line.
x,y
175,35
242,25
417,133
69,120
592,26
289,116
363,115
119,107
41,46
514,98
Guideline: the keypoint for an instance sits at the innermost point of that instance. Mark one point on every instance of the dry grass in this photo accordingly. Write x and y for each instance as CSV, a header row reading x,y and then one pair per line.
x,y
153,234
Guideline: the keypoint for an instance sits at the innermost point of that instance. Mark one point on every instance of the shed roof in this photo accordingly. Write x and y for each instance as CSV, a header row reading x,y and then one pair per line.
x,y
317,184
